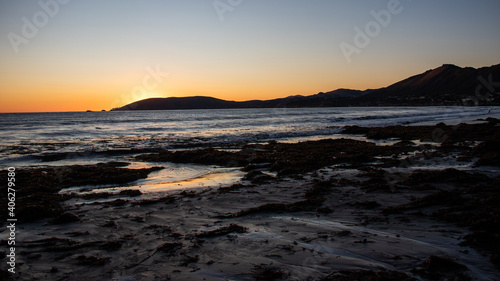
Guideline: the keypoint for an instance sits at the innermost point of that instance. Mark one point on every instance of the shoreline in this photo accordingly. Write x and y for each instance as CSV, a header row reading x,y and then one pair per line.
x,y
324,209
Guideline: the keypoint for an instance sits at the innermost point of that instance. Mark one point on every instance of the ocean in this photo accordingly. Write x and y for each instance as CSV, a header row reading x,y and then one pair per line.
x,y
25,137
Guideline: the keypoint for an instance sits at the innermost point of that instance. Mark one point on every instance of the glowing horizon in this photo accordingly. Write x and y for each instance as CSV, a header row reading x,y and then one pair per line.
x,y
93,55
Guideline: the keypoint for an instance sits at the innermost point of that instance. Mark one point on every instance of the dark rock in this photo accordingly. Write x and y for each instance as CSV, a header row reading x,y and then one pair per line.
x,y
324,210
257,177
130,192
110,224
366,275
488,153
318,189
111,246
233,187
267,272
188,260
170,248
447,175
252,167
92,260
232,228
117,202
66,218
367,204
439,268
443,197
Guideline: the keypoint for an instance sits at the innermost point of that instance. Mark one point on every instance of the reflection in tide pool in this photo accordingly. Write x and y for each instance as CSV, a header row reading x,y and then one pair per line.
x,y
167,180
172,177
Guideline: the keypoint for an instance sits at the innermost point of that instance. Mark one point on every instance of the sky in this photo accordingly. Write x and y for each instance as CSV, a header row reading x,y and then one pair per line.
x,y
75,55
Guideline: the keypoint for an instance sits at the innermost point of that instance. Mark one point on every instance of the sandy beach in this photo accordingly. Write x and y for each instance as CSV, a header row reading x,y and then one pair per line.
x,y
378,203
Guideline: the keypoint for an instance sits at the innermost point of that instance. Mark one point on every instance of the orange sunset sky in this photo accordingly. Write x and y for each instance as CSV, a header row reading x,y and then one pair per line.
x,y
93,55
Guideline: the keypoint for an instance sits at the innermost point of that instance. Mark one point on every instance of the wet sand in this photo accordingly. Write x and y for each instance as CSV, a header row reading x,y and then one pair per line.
x,y
389,203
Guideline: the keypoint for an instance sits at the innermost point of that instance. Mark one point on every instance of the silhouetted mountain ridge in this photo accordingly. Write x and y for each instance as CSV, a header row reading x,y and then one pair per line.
x,y
446,85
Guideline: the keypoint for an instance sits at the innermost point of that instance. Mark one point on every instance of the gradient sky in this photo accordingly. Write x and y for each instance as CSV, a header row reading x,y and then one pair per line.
x,y
94,54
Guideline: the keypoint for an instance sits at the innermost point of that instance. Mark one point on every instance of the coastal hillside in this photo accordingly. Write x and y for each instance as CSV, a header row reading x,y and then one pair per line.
x,y
445,85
